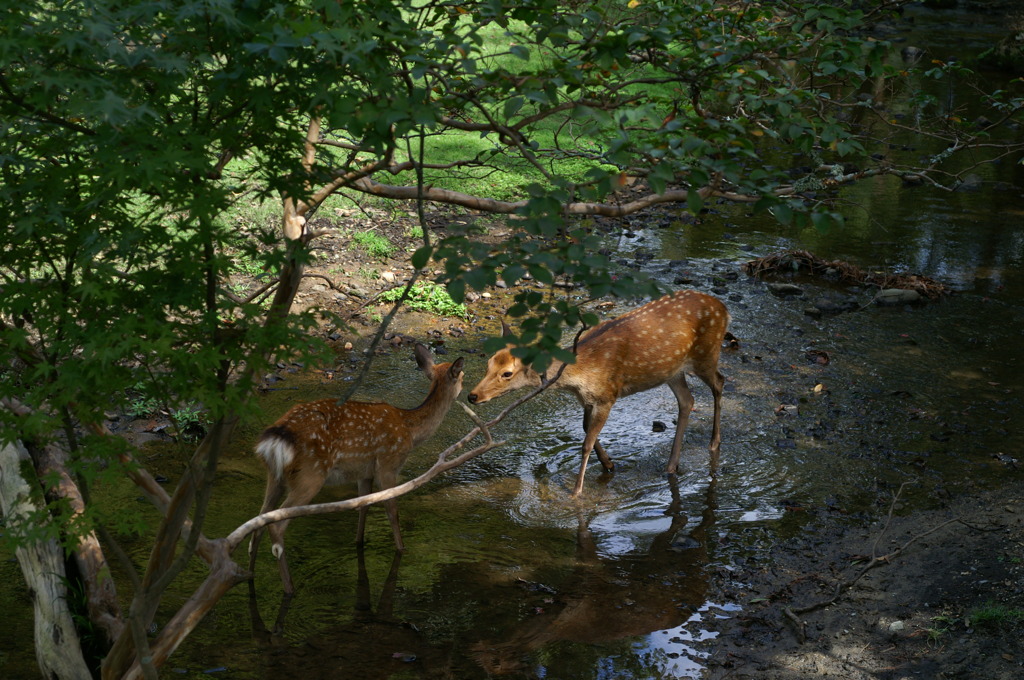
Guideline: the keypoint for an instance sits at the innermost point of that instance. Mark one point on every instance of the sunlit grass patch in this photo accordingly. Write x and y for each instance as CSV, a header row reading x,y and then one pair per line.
x,y
428,297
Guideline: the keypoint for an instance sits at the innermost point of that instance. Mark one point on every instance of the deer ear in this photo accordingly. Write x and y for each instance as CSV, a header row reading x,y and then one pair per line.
x,y
505,330
456,367
424,359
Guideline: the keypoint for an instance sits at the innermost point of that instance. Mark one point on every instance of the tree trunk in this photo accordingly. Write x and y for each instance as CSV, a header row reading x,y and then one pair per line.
x,y
58,651
101,594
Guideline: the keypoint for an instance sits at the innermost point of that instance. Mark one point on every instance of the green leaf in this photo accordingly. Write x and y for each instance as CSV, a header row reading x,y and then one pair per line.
x,y
520,51
513,273
783,213
694,202
541,273
457,290
512,106
478,279
421,257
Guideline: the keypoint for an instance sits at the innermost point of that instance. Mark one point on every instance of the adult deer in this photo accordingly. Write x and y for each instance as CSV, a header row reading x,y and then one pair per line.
x,y
652,345
324,442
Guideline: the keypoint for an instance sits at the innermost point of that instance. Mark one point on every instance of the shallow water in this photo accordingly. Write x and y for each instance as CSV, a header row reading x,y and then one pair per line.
x,y
505,575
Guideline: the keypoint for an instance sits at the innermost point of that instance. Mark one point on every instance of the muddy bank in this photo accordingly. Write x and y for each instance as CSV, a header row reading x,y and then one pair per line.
x,y
949,603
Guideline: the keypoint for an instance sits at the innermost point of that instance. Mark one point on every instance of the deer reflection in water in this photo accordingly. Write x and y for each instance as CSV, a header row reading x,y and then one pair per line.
x,y
610,600
364,646
602,601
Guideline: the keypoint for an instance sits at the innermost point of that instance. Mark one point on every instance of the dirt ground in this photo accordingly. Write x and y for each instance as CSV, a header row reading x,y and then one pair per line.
x,y
947,603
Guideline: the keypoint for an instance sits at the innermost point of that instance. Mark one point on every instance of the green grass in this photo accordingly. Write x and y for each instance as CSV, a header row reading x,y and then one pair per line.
x,y
243,264
514,173
374,244
995,615
943,624
369,273
505,176
428,297
249,213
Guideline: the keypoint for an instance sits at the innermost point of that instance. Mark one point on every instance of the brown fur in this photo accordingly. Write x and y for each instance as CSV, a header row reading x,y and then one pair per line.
x,y
322,442
652,345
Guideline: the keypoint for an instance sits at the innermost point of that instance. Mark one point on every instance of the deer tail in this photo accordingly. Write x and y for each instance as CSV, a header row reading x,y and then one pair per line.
x,y
277,448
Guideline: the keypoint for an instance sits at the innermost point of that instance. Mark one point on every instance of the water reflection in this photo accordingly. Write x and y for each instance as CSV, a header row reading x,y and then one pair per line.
x,y
358,646
614,599
542,614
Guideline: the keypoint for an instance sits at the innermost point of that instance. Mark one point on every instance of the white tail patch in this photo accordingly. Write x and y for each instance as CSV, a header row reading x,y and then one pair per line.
x,y
277,453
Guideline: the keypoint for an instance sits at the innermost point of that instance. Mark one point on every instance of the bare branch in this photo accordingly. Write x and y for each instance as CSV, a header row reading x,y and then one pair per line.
x,y
430,193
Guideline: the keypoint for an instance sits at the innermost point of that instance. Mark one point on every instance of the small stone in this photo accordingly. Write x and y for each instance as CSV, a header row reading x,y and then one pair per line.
x,y
786,410
784,289
897,296
683,543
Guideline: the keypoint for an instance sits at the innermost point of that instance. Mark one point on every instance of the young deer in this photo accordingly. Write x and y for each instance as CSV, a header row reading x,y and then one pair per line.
x,y
649,346
322,442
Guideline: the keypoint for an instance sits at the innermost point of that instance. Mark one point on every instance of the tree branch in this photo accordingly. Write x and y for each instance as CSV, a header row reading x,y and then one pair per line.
x,y
442,465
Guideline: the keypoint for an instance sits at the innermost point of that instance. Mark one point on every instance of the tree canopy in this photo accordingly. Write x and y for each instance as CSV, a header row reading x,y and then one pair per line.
x,y
132,133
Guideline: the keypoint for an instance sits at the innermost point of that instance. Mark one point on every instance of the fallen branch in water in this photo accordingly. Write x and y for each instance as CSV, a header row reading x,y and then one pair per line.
x,y
801,260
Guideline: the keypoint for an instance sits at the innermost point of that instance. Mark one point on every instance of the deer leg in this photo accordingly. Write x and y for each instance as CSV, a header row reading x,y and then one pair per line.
x,y
716,432
595,421
272,496
387,480
685,399
302,486
714,379
391,506
601,455
363,487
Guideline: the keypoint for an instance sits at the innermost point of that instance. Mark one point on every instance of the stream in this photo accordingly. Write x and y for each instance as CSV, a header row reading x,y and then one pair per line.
x,y
505,575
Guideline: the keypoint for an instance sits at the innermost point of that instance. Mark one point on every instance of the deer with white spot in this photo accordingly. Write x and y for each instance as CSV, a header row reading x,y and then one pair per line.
x,y
324,442
653,345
